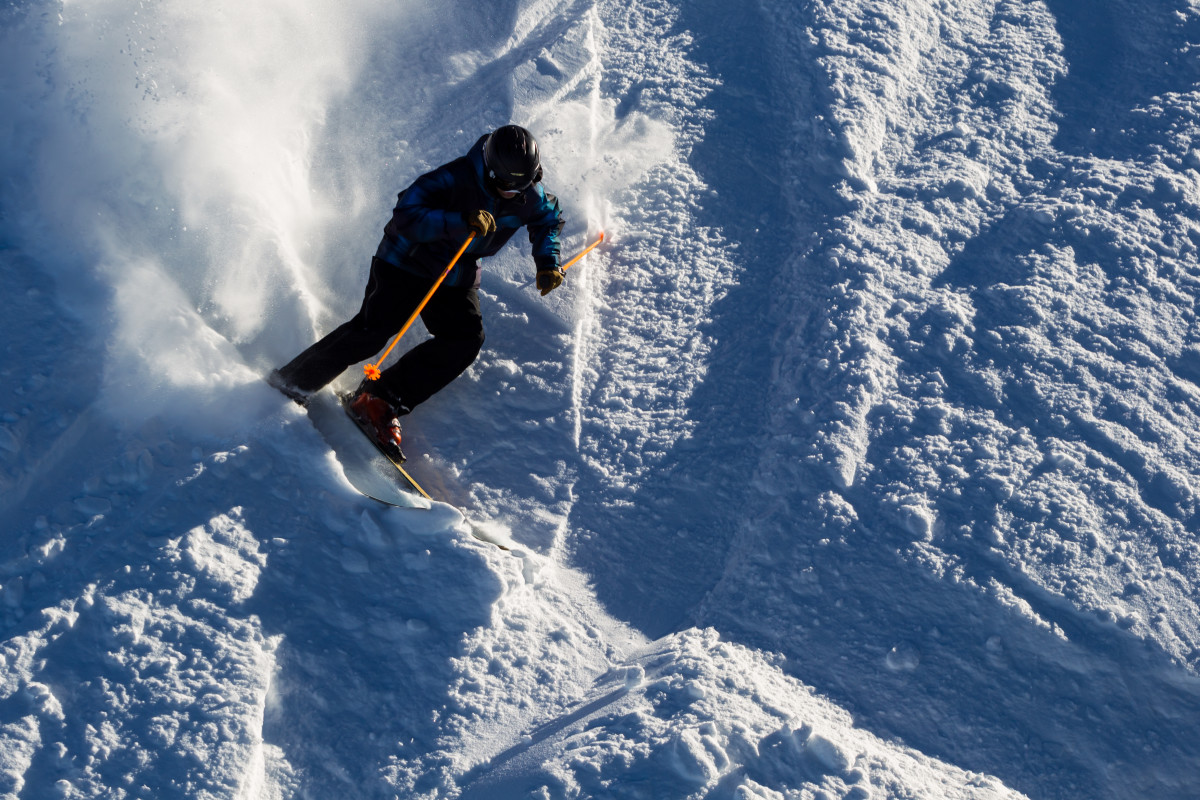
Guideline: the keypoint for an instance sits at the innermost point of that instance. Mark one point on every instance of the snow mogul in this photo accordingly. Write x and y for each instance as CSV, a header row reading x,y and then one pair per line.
x,y
492,191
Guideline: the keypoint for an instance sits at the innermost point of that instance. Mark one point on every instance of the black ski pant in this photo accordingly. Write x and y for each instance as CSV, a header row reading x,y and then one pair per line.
x,y
452,316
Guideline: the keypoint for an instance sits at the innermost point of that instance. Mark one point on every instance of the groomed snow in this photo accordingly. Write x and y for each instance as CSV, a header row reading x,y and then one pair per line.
x,y
859,462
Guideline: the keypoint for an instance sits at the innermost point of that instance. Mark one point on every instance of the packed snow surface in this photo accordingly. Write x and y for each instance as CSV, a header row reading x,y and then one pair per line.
x,y
860,461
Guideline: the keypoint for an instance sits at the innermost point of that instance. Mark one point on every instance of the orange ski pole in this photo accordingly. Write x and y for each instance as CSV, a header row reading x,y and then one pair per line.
x,y
586,250
372,370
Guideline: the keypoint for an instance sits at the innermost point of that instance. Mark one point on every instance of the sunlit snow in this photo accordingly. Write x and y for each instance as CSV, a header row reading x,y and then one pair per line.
x,y
860,461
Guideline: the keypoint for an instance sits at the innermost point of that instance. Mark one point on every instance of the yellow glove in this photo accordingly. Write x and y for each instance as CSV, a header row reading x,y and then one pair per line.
x,y
549,279
480,221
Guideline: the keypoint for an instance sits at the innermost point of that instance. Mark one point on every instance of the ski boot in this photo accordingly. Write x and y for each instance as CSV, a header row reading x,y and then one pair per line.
x,y
297,396
378,420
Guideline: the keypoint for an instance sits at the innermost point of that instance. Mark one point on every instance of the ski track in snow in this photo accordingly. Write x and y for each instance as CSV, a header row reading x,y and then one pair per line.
x,y
859,462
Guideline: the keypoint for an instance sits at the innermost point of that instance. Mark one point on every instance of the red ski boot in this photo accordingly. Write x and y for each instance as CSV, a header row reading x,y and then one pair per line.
x,y
378,420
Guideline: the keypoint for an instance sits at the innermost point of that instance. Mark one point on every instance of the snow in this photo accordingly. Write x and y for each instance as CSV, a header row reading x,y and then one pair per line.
x,y
858,462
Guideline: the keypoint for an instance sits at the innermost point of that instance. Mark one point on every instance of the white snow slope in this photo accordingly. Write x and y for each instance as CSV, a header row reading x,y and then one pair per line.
x,y
860,462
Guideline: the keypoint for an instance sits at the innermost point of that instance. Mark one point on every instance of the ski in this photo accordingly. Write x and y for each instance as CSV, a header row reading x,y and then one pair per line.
x,y
367,467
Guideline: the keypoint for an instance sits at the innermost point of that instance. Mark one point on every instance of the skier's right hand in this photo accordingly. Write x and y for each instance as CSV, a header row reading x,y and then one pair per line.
x,y
480,221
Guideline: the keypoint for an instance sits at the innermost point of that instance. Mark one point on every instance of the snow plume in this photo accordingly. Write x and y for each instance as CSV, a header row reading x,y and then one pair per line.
x,y
182,149
164,359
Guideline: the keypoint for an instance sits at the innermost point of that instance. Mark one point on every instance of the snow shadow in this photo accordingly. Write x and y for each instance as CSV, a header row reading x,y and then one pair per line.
x,y
1023,677
1120,55
994,649
655,552
368,638
962,676
927,635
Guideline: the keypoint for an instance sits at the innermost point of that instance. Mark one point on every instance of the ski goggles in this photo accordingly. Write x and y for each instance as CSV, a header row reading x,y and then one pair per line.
x,y
509,186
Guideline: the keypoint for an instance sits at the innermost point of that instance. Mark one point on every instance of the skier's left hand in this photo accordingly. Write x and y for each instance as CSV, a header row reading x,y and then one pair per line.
x,y
549,279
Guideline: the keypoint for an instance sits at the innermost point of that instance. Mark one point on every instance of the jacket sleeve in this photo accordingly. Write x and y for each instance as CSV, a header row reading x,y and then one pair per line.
x,y
421,215
544,230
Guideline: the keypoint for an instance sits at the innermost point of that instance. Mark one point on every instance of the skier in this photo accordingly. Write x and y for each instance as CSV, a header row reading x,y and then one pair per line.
x,y
493,190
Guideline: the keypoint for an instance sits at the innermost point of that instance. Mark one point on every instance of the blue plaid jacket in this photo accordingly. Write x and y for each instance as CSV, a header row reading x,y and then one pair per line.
x,y
427,225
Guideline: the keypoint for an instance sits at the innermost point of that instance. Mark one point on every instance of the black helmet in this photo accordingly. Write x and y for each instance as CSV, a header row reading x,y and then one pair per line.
x,y
511,159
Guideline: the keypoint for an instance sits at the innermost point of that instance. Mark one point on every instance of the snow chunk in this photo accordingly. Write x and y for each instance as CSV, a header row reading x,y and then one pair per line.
x,y
918,519
833,757
903,657
19,740
44,701
226,553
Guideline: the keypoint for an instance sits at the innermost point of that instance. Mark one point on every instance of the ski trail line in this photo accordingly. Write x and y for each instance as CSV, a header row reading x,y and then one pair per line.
x,y
586,302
